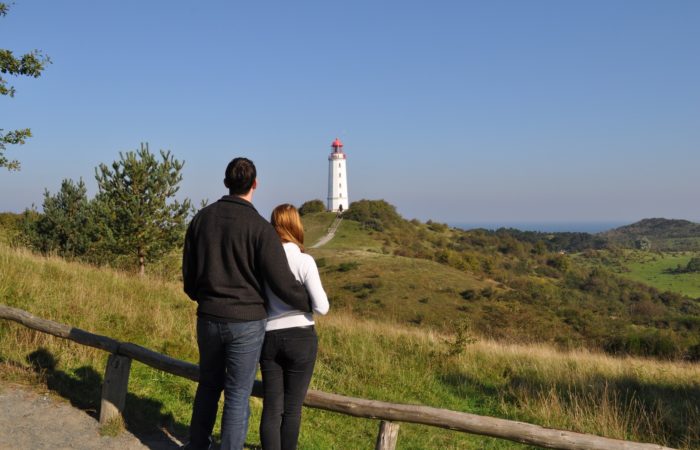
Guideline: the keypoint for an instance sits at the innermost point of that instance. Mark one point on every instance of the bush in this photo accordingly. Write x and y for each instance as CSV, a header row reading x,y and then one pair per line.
x,y
312,206
436,226
693,265
644,342
347,266
374,214
468,294
693,353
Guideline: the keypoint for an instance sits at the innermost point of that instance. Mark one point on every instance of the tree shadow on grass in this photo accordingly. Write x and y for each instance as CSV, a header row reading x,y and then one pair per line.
x,y
83,388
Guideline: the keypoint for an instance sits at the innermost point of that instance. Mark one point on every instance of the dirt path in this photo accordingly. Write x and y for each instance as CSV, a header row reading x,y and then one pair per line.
x,y
32,419
331,233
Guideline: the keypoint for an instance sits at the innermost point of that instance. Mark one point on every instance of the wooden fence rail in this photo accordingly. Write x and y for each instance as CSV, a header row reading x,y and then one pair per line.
x,y
119,363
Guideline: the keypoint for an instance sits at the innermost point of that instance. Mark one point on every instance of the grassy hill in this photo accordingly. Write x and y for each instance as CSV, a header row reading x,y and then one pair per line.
x,y
505,284
626,398
661,234
499,285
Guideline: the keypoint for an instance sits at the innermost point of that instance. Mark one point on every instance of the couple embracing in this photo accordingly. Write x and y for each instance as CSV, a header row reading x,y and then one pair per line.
x,y
256,292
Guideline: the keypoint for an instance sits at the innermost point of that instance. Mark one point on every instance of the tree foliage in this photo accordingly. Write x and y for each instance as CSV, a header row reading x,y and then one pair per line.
x,y
374,214
30,64
67,227
136,203
693,266
312,206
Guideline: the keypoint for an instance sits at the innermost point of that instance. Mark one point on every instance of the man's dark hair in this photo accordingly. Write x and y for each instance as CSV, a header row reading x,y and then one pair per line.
x,y
240,175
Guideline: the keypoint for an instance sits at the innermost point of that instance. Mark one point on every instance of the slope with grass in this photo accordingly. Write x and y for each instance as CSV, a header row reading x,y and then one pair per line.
x,y
500,284
625,398
661,234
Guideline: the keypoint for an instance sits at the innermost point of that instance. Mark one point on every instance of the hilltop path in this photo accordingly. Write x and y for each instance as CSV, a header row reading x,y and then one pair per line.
x,y
331,232
31,419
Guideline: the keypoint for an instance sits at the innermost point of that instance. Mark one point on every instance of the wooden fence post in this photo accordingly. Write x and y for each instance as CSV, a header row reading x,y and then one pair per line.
x,y
114,388
388,435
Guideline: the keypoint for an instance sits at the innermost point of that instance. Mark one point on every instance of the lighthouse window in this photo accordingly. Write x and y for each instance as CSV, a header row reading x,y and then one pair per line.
x,y
340,175
338,164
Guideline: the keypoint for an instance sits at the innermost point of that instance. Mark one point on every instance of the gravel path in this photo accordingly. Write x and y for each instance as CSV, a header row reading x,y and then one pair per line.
x,y
31,419
331,233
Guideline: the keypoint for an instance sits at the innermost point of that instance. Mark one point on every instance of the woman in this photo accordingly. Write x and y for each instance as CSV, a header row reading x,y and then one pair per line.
x,y
289,351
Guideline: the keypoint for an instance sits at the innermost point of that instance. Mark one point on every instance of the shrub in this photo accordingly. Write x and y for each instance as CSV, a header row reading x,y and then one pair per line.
x,y
644,342
347,266
436,226
468,294
374,214
312,206
693,353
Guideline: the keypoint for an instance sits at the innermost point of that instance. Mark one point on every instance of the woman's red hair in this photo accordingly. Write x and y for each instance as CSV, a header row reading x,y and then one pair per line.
x,y
287,222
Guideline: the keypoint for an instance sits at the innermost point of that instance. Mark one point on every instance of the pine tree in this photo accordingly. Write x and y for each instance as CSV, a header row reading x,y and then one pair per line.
x,y
67,225
136,204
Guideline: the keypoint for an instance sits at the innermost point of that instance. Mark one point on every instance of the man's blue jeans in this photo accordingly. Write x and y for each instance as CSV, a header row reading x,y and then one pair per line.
x,y
228,357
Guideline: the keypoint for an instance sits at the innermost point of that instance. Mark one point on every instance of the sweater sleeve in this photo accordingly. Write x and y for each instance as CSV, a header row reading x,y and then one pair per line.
x,y
189,264
312,281
275,270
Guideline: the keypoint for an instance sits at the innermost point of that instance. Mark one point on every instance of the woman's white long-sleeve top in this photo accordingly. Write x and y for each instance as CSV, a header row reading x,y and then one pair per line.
x,y
280,314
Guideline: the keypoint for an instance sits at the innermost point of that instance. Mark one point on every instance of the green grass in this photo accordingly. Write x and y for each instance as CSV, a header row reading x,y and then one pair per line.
x,y
377,359
654,270
396,289
315,226
351,236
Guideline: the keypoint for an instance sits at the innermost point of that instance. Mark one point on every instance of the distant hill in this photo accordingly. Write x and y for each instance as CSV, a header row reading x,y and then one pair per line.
x,y
657,234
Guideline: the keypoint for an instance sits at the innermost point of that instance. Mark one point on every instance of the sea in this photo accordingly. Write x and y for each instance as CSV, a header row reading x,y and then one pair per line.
x,y
546,227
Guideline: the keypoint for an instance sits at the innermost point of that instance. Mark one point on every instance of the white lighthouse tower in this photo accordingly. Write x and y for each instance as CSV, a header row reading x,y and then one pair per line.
x,y
337,179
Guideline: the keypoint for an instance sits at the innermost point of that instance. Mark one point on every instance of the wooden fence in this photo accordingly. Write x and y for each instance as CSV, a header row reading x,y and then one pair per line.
x,y
116,381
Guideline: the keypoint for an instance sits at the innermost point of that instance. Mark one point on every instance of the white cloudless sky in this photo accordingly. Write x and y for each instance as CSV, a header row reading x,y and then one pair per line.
x,y
457,111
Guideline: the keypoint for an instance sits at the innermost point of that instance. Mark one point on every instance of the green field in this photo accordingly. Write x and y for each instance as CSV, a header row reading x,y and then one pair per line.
x,y
654,269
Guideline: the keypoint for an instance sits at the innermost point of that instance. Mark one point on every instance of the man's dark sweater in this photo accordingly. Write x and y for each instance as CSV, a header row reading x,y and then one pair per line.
x,y
230,253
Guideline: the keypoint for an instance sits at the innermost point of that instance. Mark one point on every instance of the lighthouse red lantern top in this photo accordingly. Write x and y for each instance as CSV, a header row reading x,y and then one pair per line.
x,y
337,150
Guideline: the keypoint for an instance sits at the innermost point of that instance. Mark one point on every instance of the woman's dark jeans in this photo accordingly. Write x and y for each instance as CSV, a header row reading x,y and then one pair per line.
x,y
287,363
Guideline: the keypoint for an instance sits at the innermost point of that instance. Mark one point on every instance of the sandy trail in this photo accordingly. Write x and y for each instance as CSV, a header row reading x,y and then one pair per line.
x,y
34,419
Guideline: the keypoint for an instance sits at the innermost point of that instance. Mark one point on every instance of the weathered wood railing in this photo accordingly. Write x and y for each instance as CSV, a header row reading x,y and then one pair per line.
x,y
121,353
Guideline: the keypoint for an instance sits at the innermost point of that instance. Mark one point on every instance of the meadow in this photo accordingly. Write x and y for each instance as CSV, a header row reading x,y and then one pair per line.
x,y
627,398
654,269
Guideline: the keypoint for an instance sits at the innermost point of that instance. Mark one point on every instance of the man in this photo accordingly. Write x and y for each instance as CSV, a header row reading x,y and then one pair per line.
x,y
230,253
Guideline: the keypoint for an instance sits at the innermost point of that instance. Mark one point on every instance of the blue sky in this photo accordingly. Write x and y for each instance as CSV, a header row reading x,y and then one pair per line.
x,y
458,111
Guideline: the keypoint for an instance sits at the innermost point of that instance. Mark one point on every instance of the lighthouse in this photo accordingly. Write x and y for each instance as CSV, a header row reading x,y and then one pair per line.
x,y
337,179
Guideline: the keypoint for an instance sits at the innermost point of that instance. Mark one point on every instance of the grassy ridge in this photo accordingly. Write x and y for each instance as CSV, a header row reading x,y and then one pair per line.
x,y
661,234
623,398
499,286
